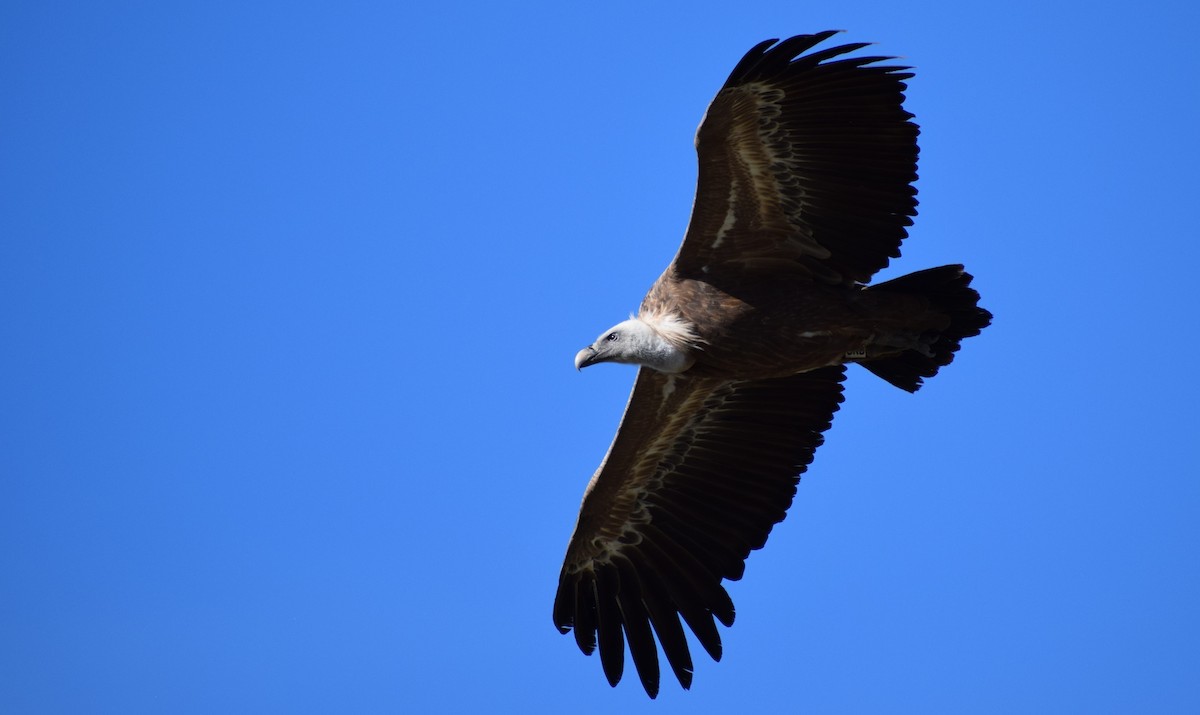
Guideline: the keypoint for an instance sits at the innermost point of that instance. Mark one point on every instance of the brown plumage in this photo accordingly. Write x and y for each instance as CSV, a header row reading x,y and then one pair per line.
x,y
804,192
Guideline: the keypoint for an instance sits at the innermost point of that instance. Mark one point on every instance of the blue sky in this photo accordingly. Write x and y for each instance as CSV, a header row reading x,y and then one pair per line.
x,y
290,294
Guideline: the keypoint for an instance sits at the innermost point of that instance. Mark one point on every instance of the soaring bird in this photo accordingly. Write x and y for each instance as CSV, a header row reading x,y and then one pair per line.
x,y
806,164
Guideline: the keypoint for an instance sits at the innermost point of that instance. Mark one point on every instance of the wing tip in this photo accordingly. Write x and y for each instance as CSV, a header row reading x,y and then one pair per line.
x,y
773,56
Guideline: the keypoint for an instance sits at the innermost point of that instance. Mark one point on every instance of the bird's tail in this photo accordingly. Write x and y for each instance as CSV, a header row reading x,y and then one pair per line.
x,y
948,290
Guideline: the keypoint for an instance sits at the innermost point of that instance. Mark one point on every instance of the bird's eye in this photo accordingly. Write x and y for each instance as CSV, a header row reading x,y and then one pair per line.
x,y
611,337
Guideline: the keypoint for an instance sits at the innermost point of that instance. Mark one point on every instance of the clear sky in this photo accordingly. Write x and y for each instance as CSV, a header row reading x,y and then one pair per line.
x,y
290,292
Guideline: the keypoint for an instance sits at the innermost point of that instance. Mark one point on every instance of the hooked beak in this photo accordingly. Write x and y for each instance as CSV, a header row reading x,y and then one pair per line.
x,y
585,357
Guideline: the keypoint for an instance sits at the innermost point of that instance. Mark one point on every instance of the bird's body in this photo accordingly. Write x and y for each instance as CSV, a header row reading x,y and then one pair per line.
x,y
777,326
804,192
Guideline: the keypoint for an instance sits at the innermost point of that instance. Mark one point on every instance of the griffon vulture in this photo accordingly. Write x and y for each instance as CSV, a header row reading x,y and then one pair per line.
x,y
806,164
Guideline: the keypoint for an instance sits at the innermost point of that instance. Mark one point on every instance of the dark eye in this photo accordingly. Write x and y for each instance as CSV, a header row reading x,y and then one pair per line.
x,y
611,337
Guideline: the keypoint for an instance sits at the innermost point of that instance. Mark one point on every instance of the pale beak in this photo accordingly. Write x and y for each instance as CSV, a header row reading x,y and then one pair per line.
x,y
585,357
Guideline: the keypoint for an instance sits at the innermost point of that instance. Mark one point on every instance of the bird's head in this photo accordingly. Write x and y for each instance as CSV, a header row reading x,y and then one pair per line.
x,y
634,342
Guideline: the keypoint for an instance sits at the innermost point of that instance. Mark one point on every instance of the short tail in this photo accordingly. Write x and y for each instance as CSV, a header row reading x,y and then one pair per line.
x,y
948,290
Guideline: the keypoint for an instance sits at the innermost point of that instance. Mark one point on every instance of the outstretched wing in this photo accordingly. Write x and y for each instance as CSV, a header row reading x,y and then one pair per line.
x,y
699,472
803,159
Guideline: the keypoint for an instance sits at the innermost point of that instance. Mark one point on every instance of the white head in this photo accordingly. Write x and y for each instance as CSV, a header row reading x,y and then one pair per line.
x,y
635,342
